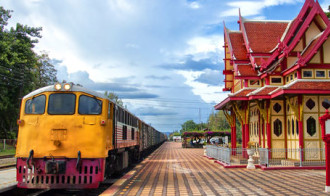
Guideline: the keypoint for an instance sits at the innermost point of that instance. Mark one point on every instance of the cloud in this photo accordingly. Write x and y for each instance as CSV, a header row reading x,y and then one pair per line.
x,y
251,8
143,50
119,85
136,95
210,77
158,77
190,64
152,111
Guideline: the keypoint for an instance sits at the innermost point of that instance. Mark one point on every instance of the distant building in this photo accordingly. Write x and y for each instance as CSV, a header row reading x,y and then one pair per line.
x,y
278,75
177,138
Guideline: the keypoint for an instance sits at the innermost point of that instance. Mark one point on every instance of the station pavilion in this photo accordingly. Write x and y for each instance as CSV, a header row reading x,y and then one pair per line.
x,y
278,75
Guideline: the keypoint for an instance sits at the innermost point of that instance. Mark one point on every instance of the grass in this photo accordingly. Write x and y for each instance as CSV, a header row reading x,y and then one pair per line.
x,y
9,151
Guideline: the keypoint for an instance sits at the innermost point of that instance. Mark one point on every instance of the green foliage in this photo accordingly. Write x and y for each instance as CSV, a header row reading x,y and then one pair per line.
x,y
21,70
113,97
176,134
189,125
218,121
45,72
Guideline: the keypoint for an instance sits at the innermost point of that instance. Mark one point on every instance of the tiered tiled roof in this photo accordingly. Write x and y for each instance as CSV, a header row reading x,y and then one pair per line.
x,y
246,70
237,43
263,50
242,93
263,36
309,85
266,90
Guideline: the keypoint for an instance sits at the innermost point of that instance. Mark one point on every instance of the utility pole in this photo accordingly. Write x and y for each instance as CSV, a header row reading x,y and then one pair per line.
x,y
200,116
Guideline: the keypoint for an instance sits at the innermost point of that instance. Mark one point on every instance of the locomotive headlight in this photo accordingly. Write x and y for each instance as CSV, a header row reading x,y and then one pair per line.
x,y
67,86
58,86
20,122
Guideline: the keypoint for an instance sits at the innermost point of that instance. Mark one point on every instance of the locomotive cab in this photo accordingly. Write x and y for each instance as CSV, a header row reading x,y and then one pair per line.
x,y
64,136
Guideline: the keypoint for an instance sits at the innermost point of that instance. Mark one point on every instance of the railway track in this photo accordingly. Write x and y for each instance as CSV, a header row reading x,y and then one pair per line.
x,y
6,156
7,161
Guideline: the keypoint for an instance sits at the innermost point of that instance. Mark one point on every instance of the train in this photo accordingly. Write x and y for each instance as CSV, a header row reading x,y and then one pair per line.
x,y
70,137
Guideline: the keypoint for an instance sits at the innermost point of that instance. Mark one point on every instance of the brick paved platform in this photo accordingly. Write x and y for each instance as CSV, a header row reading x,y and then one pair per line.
x,y
172,170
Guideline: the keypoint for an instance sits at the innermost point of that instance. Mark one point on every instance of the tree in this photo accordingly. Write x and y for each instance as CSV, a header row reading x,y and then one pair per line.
x,y
328,13
17,73
45,71
113,97
218,121
189,125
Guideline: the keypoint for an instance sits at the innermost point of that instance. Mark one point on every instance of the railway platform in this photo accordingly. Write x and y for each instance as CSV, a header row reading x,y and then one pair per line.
x,y
173,170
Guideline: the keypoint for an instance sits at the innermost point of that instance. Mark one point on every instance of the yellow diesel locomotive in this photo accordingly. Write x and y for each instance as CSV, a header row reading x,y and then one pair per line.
x,y
72,137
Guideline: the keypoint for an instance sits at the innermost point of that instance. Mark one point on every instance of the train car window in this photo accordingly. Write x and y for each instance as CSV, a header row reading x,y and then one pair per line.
x,y
109,111
133,133
35,105
120,112
62,103
124,132
89,105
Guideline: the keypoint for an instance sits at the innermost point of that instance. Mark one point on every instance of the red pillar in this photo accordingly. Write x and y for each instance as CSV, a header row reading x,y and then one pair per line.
x,y
233,140
233,144
263,133
259,130
269,136
327,163
326,139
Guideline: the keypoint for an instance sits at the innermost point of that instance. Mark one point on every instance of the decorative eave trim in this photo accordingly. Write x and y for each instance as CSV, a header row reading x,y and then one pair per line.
x,y
282,48
248,77
240,90
307,4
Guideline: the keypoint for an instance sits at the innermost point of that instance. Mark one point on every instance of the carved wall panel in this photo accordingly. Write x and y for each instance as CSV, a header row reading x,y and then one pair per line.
x,y
278,145
310,103
310,153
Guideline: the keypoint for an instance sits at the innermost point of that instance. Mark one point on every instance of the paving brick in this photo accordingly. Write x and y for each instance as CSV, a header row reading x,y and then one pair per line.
x,y
172,170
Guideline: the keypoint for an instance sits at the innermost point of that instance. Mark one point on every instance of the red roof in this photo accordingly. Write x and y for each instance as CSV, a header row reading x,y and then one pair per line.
x,y
265,91
237,43
246,70
310,47
243,92
263,36
259,61
309,85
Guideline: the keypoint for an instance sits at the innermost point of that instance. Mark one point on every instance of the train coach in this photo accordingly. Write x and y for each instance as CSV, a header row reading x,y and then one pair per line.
x,y
72,138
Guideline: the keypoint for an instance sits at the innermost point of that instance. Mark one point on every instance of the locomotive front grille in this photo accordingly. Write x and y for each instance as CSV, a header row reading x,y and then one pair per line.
x,y
87,176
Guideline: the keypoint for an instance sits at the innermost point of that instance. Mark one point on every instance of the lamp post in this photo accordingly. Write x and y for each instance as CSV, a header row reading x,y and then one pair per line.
x,y
325,126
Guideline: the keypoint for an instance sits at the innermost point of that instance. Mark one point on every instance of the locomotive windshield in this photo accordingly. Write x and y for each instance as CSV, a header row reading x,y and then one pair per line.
x,y
61,103
89,105
35,105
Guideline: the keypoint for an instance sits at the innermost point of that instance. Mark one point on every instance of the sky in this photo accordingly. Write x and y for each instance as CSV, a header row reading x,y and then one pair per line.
x,y
163,58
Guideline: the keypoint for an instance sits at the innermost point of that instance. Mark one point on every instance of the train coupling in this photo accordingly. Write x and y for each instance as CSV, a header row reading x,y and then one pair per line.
x,y
55,167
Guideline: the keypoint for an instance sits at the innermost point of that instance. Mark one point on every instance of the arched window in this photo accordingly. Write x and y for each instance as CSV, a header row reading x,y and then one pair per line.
x,y
311,126
277,127
288,127
297,130
292,127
